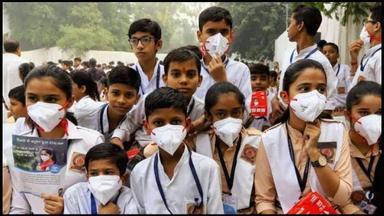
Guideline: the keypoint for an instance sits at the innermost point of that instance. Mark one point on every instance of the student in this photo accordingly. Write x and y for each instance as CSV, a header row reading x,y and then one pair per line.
x,y
304,23
182,72
233,147
304,152
215,26
174,180
364,115
342,72
123,86
77,63
104,193
86,95
48,96
260,82
273,82
24,69
369,67
145,40
17,106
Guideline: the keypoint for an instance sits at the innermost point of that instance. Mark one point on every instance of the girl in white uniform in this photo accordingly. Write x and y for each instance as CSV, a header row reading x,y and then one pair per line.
x,y
232,146
48,96
303,153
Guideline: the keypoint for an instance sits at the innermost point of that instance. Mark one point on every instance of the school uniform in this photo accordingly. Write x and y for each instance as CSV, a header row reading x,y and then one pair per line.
x,y
147,86
103,123
77,200
85,111
276,179
313,53
135,120
369,66
245,150
81,140
343,74
237,73
181,193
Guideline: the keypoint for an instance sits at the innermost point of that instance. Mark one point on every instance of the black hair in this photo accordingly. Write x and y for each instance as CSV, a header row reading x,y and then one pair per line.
x,y
181,54
110,152
332,45
218,89
259,69
124,75
18,93
83,78
321,44
165,97
24,69
194,49
145,25
311,17
292,73
273,74
77,59
376,13
214,14
360,90
92,62
11,45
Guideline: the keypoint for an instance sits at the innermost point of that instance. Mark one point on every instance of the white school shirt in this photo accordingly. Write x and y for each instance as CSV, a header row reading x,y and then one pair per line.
x,y
369,66
244,172
77,200
103,123
343,74
237,73
319,57
147,86
82,139
275,142
85,111
10,73
135,120
179,191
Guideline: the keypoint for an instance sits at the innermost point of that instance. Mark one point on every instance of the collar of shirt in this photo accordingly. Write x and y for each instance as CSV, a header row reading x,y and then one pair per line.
x,y
88,194
356,153
372,49
304,52
184,159
73,132
336,67
296,136
142,74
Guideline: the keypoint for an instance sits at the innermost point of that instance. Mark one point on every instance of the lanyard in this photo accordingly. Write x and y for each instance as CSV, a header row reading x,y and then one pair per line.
x,y
302,182
206,69
101,118
190,108
370,165
229,179
93,204
194,174
307,56
338,70
157,78
362,66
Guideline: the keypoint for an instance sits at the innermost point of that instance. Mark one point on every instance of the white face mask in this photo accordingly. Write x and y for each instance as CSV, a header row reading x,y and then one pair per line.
x,y
44,158
369,127
169,137
364,36
46,115
104,187
308,106
228,129
217,45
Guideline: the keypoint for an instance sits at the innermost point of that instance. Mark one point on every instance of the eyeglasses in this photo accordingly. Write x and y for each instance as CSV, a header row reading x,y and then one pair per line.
x,y
144,40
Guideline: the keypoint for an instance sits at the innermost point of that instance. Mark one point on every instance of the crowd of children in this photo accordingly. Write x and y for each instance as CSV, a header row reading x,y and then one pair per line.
x,y
200,133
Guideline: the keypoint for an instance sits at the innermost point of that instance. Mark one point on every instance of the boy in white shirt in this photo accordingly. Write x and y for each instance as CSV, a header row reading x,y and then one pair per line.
x,y
103,193
174,180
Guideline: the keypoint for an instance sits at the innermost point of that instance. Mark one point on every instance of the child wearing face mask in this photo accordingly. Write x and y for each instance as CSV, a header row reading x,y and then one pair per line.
x,y
48,96
233,147
303,153
174,180
104,193
364,115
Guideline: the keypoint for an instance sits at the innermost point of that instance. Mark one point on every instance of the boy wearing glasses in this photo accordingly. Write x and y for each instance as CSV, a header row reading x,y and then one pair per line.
x,y
145,40
369,67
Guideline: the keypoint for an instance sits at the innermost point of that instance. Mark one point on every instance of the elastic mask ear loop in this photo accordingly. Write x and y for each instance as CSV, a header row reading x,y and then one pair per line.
x,y
64,122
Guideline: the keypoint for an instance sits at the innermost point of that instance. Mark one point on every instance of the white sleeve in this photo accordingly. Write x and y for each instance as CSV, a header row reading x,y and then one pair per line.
x,y
19,203
215,203
331,86
71,206
130,205
137,192
245,87
135,119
